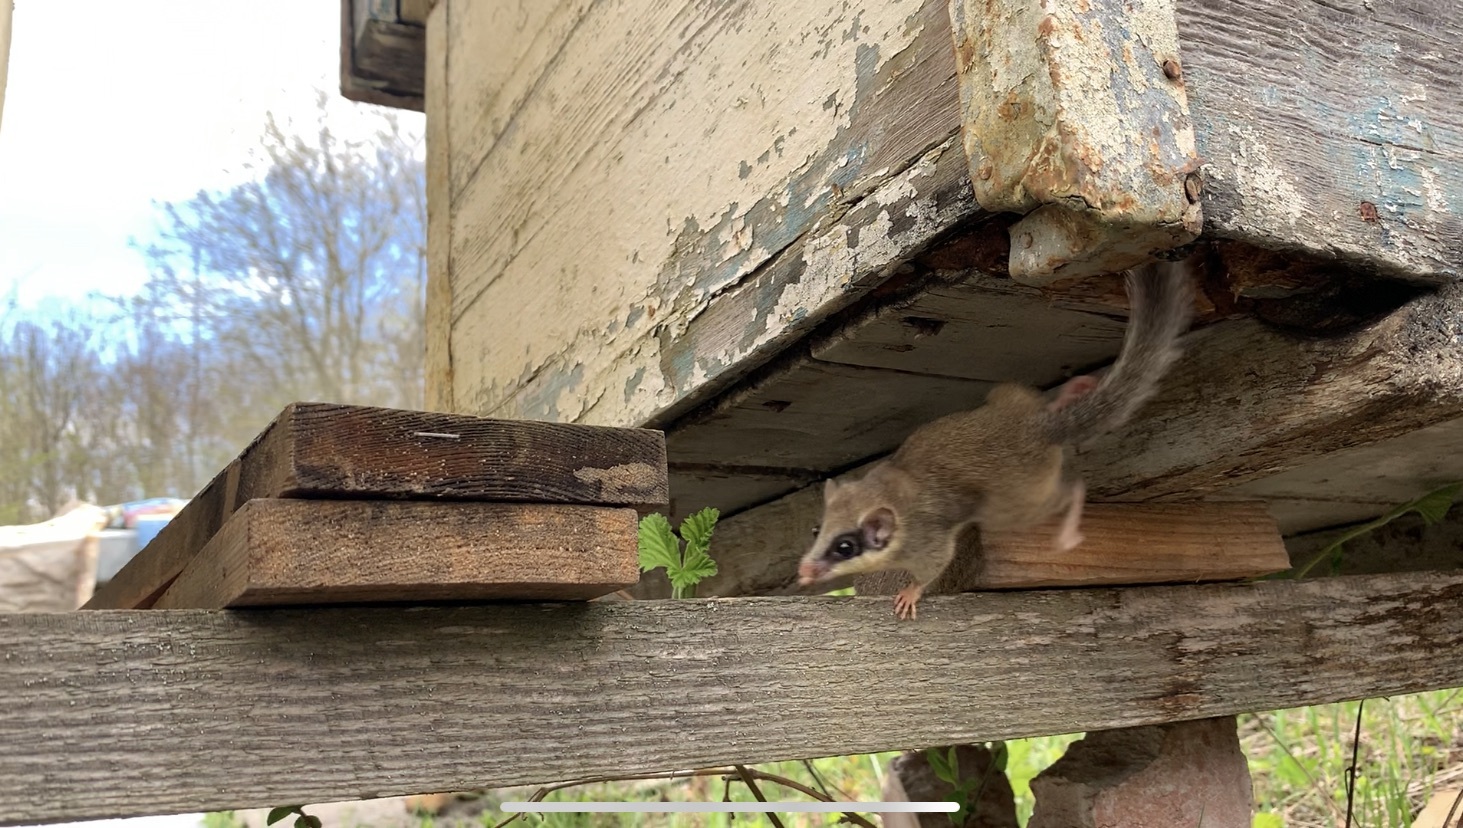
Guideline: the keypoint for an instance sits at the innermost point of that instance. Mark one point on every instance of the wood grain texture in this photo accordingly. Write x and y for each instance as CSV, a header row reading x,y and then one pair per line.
x,y
982,328
1358,483
1135,544
125,713
803,417
1333,127
275,552
438,321
334,451
1246,401
813,180
381,56
757,551
784,120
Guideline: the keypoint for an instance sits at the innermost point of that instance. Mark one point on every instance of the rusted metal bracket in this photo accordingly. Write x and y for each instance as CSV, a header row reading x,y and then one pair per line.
x,y
1074,113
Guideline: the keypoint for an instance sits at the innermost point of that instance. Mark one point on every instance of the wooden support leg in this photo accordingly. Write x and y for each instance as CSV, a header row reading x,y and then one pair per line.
x,y
1162,776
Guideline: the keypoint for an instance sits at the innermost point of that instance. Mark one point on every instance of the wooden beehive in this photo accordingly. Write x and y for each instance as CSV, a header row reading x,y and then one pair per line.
x,y
787,233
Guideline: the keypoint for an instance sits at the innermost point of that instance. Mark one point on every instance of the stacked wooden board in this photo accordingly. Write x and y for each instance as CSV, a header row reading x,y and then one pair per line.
x,y
347,504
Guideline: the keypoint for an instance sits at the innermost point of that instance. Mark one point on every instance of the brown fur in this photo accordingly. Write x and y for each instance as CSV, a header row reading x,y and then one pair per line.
x,y
1001,465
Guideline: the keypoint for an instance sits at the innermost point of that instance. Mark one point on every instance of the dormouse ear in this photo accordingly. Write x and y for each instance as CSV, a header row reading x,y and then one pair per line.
x,y
877,528
830,486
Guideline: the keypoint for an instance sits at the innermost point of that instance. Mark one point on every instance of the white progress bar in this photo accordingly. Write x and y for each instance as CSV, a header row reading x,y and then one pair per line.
x,y
729,807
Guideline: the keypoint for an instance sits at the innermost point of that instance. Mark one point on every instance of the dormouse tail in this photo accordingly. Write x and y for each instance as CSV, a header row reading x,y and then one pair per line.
x,y
1161,302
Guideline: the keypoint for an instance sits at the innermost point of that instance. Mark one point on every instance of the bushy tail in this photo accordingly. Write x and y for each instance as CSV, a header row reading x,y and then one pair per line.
x,y
1160,297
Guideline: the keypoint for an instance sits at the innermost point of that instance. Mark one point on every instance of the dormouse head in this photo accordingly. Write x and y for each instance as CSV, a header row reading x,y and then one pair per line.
x,y
860,530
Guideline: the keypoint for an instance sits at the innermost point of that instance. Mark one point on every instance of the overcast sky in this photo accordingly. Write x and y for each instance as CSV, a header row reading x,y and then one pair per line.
x,y
112,105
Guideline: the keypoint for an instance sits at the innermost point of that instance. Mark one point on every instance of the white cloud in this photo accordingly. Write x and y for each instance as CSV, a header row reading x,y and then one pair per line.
x,y
111,106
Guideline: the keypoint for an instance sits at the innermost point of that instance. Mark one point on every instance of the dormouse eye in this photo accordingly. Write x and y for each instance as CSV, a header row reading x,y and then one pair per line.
x,y
847,546
815,530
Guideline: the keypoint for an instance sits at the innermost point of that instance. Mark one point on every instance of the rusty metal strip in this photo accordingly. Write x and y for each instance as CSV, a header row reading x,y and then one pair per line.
x,y
1073,112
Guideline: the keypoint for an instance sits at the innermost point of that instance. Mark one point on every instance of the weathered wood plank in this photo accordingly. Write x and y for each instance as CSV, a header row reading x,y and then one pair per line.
x,y
326,450
1247,401
757,551
1135,544
983,328
382,56
1359,483
1334,128
803,416
439,217
799,114
123,713
274,552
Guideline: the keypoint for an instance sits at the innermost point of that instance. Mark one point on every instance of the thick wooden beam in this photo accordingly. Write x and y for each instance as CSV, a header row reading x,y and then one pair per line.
x,y
124,713
275,552
341,451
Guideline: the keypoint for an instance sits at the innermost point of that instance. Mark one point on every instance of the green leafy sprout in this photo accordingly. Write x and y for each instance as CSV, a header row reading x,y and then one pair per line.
x,y
946,767
1433,507
659,547
302,819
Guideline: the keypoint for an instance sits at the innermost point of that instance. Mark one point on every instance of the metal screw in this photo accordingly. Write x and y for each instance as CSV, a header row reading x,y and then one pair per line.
x,y
1171,69
1027,240
985,170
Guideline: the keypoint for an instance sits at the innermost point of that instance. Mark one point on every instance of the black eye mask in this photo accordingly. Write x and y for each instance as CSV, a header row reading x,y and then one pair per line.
x,y
845,547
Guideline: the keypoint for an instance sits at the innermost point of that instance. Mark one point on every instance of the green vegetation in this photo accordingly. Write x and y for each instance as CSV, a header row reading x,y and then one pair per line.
x,y
1432,508
660,548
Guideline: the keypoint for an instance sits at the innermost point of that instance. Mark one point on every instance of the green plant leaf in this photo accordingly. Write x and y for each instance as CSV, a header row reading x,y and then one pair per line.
x,y
953,758
1434,505
697,567
999,756
1268,821
940,767
658,544
277,814
697,529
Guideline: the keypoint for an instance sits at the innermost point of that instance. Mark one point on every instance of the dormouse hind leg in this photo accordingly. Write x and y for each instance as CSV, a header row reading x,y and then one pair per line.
x,y
1070,535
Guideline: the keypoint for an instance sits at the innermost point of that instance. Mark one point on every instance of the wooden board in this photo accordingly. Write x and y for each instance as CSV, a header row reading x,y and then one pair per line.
x,y
982,328
1333,128
383,52
274,552
1247,401
804,418
814,138
1137,544
757,552
200,710
324,450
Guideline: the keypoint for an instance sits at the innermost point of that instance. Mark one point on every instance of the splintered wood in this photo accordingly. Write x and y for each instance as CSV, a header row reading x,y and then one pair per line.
x,y
571,537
